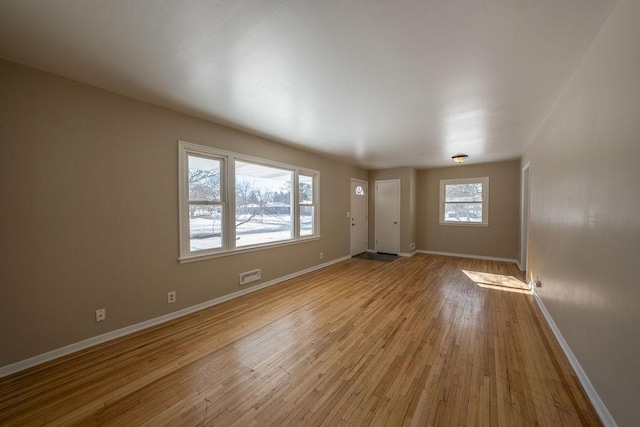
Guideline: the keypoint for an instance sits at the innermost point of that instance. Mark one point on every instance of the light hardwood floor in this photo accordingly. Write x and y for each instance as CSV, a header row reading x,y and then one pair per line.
x,y
426,340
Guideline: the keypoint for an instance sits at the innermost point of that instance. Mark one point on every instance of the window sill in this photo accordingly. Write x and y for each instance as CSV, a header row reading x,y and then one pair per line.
x,y
201,257
465,224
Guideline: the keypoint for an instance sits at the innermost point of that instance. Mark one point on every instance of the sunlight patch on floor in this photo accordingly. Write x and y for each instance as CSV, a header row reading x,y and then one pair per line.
x,y
498,282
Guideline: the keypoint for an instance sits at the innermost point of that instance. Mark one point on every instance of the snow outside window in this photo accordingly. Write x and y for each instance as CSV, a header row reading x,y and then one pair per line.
x,y
263,204
205,202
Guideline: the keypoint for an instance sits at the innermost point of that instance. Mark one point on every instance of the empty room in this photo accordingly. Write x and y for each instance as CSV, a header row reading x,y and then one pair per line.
x,y
305,213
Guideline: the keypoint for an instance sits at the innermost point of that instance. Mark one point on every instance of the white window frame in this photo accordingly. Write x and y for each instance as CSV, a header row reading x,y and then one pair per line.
x,y
485,201
228,202
314,202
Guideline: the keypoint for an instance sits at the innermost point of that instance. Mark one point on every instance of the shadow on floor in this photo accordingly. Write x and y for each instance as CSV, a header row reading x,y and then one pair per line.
x,y
377,257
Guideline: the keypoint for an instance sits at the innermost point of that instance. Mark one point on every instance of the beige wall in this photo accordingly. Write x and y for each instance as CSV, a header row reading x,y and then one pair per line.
x,y
89,214
584,240
500,239
407,177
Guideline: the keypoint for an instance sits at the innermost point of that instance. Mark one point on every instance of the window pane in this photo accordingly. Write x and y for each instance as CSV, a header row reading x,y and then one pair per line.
x,y
305,189
464,192
463,212
306,220
205,227
263,204
204,179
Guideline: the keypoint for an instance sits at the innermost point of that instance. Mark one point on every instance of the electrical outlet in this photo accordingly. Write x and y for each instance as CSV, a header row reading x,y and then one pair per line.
x,y
171,297
321,255
101,314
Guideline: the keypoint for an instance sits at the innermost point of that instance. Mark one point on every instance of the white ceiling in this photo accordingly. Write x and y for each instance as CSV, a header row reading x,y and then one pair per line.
x,y
379,83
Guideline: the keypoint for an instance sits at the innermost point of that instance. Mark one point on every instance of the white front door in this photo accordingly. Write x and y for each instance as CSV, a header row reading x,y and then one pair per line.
x,y
388,216
359,216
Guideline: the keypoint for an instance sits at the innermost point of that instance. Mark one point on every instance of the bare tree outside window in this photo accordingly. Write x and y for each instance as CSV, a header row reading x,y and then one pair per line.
x,y
205,203
263,204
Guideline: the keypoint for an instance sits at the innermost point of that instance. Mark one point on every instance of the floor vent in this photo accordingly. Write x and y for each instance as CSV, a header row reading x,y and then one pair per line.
x,y
250,276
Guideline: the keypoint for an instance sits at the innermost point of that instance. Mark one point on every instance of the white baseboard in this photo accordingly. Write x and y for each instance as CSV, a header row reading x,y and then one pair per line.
x,y
597,403
72,348
488,258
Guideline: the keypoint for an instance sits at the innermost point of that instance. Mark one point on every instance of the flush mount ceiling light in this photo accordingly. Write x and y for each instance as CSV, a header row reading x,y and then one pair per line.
x,y
459,158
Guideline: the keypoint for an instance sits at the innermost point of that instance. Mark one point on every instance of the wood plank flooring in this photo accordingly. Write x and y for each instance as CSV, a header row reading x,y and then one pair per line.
x,y
427,340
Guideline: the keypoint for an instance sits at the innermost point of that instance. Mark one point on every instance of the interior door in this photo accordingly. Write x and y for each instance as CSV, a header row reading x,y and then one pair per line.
x,y
359,216
387,222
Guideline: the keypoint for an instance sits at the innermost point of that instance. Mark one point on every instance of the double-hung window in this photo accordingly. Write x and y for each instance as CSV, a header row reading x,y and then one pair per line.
x,y
205,202
231,202
307,204
464,201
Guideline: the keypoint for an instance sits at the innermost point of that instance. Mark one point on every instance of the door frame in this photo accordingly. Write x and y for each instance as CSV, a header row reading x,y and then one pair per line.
x,y
525,209
399,211
366,212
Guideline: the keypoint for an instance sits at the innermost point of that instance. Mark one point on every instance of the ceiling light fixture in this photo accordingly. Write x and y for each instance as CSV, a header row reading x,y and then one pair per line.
x,y
459,158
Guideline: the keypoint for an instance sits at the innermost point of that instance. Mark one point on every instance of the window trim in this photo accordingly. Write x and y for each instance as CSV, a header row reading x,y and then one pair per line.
x,y
228,159
485,201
